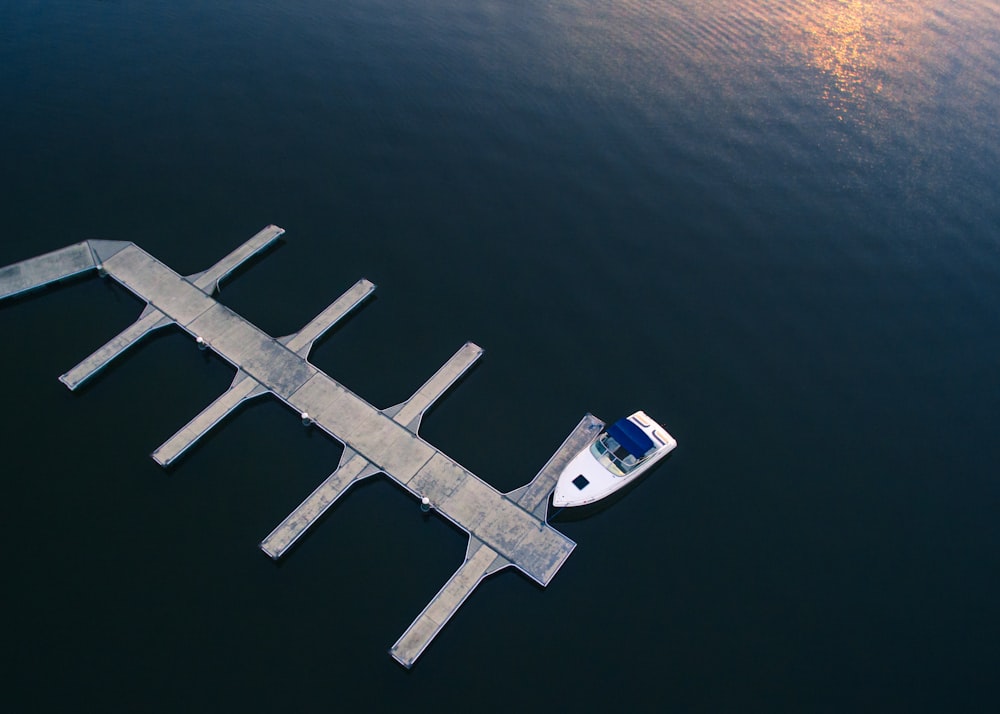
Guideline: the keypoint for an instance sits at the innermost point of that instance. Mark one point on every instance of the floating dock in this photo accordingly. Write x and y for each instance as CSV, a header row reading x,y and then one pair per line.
x,y
505,530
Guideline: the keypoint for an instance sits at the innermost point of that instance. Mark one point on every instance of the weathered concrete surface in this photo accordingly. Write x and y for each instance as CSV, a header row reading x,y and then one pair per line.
x,y
302,341
410,412
243,388
150,320
504,530
209,280
480,561
37,272
352,469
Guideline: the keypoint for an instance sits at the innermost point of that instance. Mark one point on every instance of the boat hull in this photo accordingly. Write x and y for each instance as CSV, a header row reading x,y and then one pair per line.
x,y
593,474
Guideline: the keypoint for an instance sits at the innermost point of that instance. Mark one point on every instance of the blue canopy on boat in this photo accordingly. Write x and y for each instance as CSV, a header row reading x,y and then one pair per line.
x,y
631,437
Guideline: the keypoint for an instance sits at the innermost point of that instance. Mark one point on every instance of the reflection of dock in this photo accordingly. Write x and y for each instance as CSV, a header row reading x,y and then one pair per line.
x,y
504,529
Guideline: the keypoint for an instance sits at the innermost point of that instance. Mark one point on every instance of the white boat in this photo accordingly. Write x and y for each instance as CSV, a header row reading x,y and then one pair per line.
x,y
618,456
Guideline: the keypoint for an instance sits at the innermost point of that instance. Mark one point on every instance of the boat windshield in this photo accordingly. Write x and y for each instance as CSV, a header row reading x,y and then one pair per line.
x,y
613,456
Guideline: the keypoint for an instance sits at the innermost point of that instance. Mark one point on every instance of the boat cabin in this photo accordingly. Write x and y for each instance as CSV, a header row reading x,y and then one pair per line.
x,y
622,447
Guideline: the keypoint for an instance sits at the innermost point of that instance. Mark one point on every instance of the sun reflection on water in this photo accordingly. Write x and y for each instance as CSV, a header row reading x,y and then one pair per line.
x,y
859,52
865,50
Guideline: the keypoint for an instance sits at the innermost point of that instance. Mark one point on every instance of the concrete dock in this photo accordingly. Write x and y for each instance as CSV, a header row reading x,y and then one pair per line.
x,y
481,560
505,530
34,273
245,387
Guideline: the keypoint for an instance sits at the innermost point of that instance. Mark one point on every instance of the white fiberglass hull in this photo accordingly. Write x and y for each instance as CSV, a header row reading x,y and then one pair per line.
x,y
592,474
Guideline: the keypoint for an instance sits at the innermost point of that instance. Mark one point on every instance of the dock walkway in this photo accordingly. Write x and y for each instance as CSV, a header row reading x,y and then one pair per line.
x,y
505,530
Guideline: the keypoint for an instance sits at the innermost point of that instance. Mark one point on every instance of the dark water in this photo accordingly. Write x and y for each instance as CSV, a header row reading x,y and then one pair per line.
x,y
774,226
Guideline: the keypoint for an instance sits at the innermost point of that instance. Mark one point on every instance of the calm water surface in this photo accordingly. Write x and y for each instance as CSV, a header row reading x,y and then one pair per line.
x,y
773,225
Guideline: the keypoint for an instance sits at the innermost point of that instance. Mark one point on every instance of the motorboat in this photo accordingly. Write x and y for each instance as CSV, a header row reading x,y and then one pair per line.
x,y
615,458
